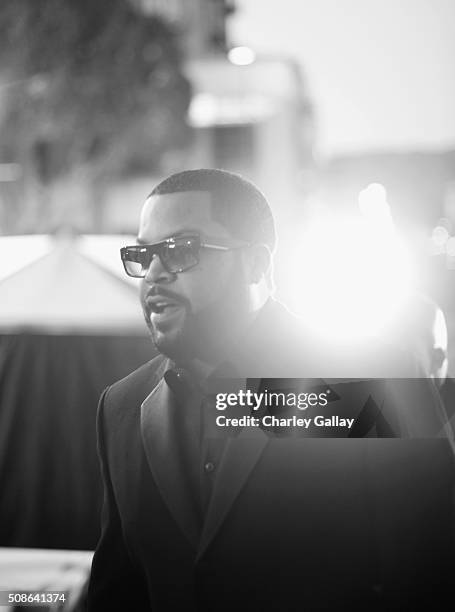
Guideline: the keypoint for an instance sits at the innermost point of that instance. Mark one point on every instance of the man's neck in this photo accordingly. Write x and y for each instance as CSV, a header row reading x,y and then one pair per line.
x,y
199,371
201,368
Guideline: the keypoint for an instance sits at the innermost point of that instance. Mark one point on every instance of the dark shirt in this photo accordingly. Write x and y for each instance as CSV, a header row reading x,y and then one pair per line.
x,y
211,452
200,448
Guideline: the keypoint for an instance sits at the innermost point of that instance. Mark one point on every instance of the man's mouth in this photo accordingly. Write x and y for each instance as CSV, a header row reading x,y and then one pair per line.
x,y
161,308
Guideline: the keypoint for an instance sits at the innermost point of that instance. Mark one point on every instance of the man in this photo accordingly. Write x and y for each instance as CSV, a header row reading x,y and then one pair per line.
x,y
195,520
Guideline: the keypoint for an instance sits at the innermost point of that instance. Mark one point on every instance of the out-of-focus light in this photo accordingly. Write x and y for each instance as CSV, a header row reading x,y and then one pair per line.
x,y
241,56
353,280
439,236
450,247
374,192
440,331
445,222
374,206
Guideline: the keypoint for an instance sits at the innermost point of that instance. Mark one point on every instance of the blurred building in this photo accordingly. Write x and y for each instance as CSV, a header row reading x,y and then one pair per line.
x,y
248,114
253,115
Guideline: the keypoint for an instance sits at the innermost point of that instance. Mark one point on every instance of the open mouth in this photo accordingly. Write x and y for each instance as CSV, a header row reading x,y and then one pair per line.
x,y
161,306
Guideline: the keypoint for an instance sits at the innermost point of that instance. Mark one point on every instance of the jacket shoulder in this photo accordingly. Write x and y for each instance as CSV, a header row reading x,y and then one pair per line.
x,y
129,392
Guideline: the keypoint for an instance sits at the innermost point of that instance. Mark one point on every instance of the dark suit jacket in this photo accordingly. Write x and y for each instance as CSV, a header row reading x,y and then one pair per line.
x,y
314,524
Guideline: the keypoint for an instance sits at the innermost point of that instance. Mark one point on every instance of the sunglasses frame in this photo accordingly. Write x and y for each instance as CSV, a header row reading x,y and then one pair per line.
x,y
157,249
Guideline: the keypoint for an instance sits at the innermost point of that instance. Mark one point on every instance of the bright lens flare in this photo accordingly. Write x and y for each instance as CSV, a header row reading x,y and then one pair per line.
x,y
439,236
355,278
373,205
241,56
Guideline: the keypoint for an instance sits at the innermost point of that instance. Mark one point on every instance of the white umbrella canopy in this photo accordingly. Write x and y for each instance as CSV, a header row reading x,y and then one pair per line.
x,y
67,284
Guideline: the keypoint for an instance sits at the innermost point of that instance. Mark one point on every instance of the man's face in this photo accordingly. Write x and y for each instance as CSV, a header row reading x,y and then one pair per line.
x,y
203,305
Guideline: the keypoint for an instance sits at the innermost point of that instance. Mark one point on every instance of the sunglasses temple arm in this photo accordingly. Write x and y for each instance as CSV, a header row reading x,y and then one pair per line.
x,y
215,246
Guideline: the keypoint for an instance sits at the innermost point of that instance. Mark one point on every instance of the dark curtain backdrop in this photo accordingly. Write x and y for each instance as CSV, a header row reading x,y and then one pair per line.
x,y
50,483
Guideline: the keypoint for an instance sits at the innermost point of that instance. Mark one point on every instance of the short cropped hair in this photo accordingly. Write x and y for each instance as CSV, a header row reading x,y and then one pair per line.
x,y
236,203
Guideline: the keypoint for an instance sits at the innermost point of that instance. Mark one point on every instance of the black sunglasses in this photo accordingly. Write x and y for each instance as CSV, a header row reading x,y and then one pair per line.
x,y
176,254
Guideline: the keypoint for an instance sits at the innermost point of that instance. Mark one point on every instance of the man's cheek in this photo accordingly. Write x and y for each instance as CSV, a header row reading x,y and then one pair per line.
x,y
205,289
210,296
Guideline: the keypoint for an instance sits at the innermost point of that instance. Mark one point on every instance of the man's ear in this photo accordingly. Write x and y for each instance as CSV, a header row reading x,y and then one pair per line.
x,y
258,261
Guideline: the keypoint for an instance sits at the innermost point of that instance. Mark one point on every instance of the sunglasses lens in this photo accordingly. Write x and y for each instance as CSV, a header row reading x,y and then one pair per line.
x,y
136,261
181,254
177,255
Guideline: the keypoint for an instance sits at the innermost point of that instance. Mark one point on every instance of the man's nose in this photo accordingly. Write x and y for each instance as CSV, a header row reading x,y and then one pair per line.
x,y
157,273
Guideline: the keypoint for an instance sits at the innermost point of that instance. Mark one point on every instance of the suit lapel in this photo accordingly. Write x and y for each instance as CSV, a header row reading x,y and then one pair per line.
x,y
239,458
162,452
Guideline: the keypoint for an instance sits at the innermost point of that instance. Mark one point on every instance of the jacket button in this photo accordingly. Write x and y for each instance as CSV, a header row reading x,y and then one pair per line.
x,y
209,466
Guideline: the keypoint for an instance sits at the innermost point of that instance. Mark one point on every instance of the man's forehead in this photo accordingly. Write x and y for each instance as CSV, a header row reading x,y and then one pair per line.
x,y
163,208
167,214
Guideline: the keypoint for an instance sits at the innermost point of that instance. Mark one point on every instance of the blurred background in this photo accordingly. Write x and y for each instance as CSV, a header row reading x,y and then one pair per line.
x,y
341,111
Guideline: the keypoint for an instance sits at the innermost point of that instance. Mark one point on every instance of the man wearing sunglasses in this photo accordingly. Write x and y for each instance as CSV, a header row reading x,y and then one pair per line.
x,y
194,520
204,259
